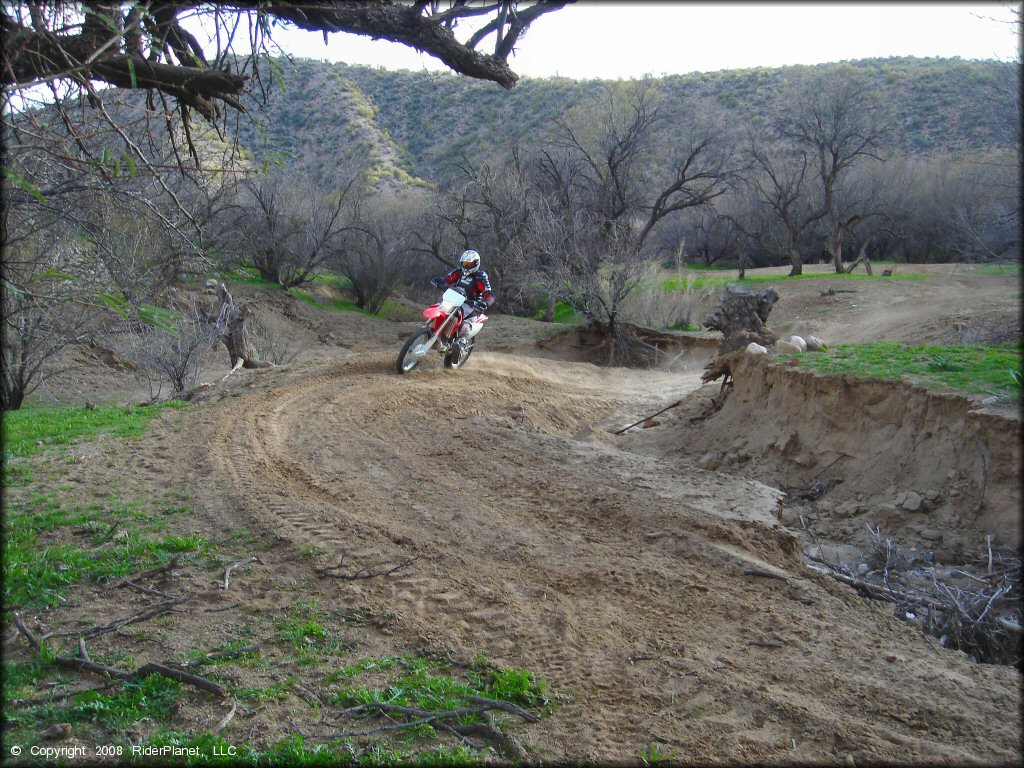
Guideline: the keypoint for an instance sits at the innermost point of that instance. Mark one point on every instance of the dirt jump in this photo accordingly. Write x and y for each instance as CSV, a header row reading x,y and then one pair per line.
x,y
651,577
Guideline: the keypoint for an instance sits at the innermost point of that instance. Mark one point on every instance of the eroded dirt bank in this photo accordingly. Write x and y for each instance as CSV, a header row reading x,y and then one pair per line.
x,y
918,465
544,542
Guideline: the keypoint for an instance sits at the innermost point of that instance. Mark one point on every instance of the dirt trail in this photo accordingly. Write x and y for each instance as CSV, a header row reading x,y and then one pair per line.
x,y
618,576
614,566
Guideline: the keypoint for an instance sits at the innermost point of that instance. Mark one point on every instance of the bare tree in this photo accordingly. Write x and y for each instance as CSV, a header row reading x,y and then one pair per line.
x,y
601,207
286,228
149,45
377,243
47,303
783,183
168,350
831,124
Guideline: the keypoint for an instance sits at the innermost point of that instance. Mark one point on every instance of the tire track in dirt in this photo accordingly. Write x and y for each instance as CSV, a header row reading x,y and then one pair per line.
x,y
530,584
540,543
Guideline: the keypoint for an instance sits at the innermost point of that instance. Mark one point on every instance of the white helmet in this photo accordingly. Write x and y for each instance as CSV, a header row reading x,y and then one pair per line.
x,y
469,261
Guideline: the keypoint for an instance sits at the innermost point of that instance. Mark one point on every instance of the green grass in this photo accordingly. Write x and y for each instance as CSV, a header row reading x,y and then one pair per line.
x,y
977,369
31,429
302,628
1006,268
564,313
425,683
334,305
51,545
671,284
338,305
337,282
294,751
696,267
653,755
248,276
252,658
152,698
274,692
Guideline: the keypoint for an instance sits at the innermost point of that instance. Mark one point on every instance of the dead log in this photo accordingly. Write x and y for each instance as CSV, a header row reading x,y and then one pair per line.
x,y
741,316
85,665
232,324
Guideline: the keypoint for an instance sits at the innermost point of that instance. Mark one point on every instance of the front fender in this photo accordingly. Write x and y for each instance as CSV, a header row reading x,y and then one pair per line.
x,y
433,311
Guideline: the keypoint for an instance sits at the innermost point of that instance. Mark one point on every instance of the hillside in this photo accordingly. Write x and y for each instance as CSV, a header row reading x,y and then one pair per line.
x,y
420,123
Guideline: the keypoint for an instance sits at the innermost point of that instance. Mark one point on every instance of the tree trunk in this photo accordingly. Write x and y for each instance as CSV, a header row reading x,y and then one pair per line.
x,y
233,331
862,255
834,246
794,259
549,313
741,316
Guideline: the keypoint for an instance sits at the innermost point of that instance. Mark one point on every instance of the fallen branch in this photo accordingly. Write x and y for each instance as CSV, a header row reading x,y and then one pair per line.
x,y
504,706
441,720
222,608
182,677
221,655
227,718
764,574
362,573
645,418
158,610
239,564
489,730
147,590
968,619
83,664
172,563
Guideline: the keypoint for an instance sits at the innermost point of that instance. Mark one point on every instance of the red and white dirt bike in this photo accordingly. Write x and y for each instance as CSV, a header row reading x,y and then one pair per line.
x,y
444,320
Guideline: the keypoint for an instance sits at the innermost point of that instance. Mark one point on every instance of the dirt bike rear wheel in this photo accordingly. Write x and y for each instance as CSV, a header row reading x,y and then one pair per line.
x,y
406,360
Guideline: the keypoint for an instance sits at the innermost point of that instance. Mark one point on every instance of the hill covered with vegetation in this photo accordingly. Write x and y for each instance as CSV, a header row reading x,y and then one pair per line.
x,y
422,124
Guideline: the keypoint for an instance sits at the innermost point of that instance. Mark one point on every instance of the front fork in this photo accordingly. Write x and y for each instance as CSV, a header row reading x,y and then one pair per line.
x,y
433,339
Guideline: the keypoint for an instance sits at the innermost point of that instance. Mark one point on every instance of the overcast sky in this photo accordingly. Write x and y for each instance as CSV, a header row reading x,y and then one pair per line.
x,y
627,40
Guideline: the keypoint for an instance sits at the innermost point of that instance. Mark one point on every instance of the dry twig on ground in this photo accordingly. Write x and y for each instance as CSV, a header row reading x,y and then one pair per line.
x,y
362,573
983,619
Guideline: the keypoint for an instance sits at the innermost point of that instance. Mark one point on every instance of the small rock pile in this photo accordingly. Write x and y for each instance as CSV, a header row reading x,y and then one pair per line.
x,y
795,345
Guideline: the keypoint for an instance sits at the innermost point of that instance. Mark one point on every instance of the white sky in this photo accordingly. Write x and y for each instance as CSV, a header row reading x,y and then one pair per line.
x,y
628,40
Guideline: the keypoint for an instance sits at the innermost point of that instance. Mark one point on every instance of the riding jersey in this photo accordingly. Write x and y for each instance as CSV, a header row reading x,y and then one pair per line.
x,y
477,286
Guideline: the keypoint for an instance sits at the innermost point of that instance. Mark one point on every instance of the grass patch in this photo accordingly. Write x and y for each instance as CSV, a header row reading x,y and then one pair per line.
x,y
976,369
50,545
229,654
248,276
337,282
653,755
302,628
1003,268
295,751
275,692
671,284
695,267
32,429
110,713
339,305
213,749
333,305
564,313
428,684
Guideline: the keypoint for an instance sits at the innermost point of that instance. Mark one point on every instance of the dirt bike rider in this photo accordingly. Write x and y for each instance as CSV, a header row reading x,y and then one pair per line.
x,y
477,286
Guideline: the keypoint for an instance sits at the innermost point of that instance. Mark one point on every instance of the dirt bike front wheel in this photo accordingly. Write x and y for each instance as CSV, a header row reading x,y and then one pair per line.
x,y
407,358
457,356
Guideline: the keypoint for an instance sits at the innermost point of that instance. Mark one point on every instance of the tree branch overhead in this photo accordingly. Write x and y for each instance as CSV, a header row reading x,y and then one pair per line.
x,y
82,42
